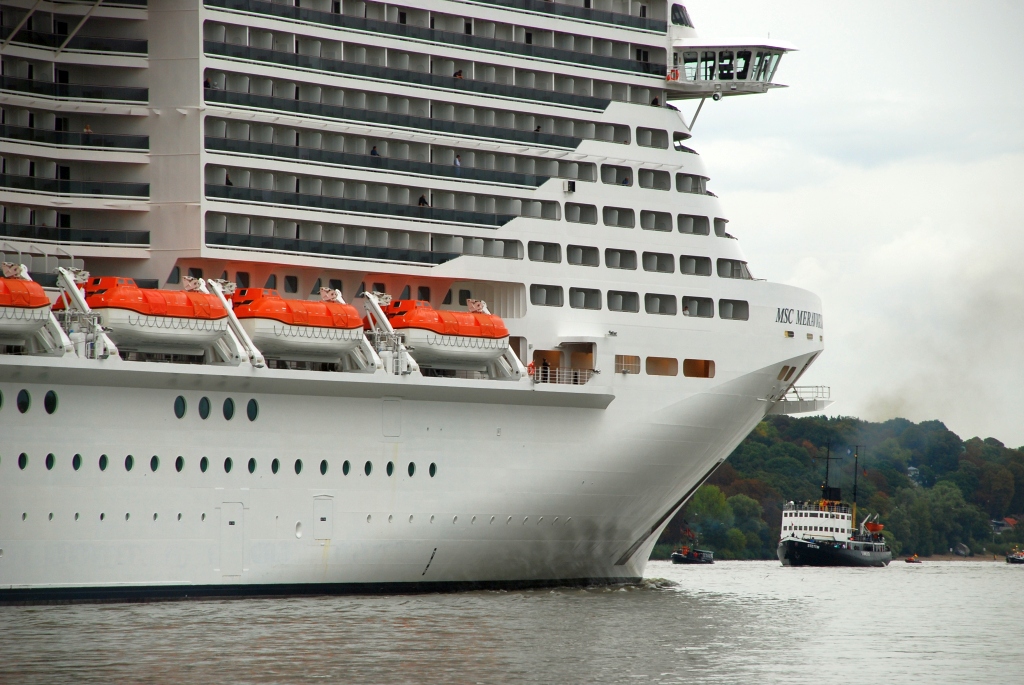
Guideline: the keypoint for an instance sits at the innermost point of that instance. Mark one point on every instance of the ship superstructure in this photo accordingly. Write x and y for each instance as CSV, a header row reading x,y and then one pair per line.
x,y
526,161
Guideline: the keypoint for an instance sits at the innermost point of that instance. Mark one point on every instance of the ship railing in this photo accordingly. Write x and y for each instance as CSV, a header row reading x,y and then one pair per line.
x,y
559,375
808,392
816,506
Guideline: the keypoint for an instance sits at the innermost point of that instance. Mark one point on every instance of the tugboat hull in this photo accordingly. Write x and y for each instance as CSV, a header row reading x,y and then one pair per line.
x,y
793,552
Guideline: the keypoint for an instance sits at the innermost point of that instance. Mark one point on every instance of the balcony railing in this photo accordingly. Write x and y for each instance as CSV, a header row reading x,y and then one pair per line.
x,y
74,235
799,393
574,12
58,186
403,76
559,375
53,41
438,36
74,91
343,204
259,242
317,109
74,139
322,156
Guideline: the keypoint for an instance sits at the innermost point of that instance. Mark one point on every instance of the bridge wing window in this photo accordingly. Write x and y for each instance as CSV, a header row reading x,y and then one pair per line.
x,y
690,66
733,268
680,17
742,64
707,65
725,65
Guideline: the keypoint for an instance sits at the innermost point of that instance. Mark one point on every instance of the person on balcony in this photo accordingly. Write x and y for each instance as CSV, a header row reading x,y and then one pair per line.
x,y
458,165
457,74
423,201
373,152
227,179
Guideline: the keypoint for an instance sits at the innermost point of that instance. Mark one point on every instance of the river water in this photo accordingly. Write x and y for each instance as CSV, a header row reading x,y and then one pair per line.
x,y
734,622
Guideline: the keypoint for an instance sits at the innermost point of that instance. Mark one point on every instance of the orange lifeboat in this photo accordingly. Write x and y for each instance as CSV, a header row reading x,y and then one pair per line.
x,y
24,309
874,527
149,320
449,339
298,329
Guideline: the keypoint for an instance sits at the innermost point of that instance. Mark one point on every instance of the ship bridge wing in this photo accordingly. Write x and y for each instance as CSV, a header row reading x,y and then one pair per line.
x,y
718,67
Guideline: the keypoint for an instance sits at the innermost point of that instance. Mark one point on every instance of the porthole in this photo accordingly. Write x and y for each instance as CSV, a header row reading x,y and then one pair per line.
x,y
24,401
50,401
412,469
102,516
50,517
228,464
179,464
129,462
323,467
154,463
275,465
204,464
433,470
391,468
345,468
180,407
229,409
154,516
24,516
76,462
203,517
22,461
49,462
204,408
298,529
252,410
252,465
298,466
179,515
127,516
103,462
368,468
76,515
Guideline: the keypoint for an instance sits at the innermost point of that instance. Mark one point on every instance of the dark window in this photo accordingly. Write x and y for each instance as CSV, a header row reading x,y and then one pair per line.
x,y
229,409
291,284
464,296
275,465
175,275
204,408
103,462
252,410
316,287
50,402
252,465
204,464
323,467
412,469
423,293
368,468
380,288
402,18
680,17
433,470
447,298
271,281
406,293
49,462
228,464
154,463
391,468
179,406
24,401
76,462
468,28
334,284
528,38
298,466
242,279
345,468
643,55
129,462
179,464
194,272
22,461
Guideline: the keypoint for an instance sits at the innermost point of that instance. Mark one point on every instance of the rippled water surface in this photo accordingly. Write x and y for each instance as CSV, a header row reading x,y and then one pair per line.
x,y
734,622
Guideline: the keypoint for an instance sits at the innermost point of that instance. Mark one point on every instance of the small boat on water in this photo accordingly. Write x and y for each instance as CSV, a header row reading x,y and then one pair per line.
x,y
688,555
1015,557
912,560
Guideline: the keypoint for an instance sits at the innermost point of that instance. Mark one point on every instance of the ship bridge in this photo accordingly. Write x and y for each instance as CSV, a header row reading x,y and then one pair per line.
x,y
714,68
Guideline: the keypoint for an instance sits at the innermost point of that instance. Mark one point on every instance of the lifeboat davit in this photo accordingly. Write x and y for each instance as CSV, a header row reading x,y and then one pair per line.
x,y
449,339
149,320
302,330
24,306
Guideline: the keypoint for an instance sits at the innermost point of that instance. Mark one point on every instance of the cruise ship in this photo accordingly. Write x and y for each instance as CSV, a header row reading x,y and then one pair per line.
x,y
328,296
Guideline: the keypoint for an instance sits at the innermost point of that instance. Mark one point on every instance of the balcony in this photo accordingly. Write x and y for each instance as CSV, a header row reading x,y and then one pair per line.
x,y
402,76
70,139
438,36
342,204
456,128
574,12
321,156
74,91
53,41
74,235
36,184
259,242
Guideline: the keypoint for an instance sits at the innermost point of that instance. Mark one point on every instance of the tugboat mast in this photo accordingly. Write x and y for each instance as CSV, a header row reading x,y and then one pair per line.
x,y
856,468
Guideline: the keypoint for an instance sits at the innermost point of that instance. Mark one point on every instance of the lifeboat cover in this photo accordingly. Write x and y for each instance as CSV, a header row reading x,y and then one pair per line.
x,y
264,303
15,292
419,314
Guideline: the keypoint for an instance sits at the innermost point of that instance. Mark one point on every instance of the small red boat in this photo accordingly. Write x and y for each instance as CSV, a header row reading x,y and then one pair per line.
x,y
298,329
448,339
24,309
912,560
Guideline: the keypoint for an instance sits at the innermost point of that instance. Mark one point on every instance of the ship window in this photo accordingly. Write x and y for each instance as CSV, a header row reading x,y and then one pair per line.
x,y
546,295
423,293
580,214
76,462
154,463
742,64
242,279
432,470
620,301
782,374
390,468
691,183
271,282
660,304
175,275
692,224
275,465
619,216
194,272
652,137
49,462
379,288
693,265
704,307
447,297
653,179
620,259
323,467
733,268
406,293
690,66
720,228
544,252
627,363
707,65
582,255
229,409
103,462
698,368
584,298
50,401
659,262
179,464
298,466
252,465
228,463
291,284
24,401
345,467
335,284
464,296
662,366
252,410
22,461
725,65
129,462
656,221
680,17
412,469
179,406
737,310
204,464
368,468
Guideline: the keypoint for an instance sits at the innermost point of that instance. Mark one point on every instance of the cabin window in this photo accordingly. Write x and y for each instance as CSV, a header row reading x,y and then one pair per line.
x,y
619,216
659,262
291,284
703,307
412,469
782,374
50,402
464,297
24,401
345,467
733,268
620,301
298,466
252,410
204,408
447,297
50,459
432,470
76,462
742,64
179,464
103,462
656,221
390,468
154,463
692,224
204,464
693,265
616,175
691,183
662,366
654,179
737,310
129,462
368,468
271,282
627,363
315,290
720,228
252,465
179,406
660,304
652,137
323,467
582,255
544,252
229,409
584,298
620,259
406,292
546,295
242,279
423,293
275,465
580,214
228,463
174,276
698,368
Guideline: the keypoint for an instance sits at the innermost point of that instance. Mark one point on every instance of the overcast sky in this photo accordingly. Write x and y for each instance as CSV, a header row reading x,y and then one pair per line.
x,y
888,179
